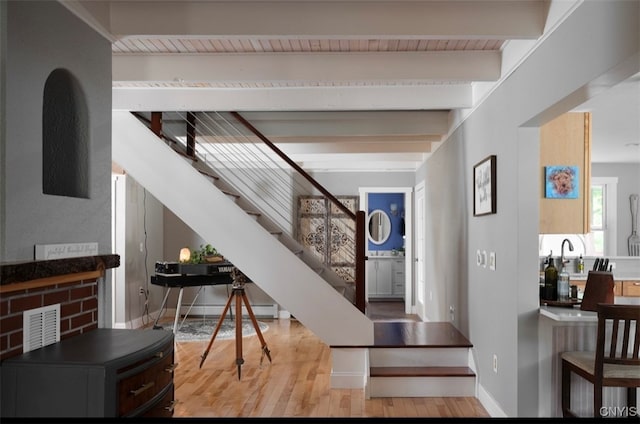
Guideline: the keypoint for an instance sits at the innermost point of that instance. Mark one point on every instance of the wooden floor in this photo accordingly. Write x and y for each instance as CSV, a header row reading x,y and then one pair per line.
x,y
295,384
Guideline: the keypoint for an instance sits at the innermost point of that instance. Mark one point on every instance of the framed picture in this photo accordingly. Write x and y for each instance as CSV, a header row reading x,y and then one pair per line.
x,y
484,187
561,182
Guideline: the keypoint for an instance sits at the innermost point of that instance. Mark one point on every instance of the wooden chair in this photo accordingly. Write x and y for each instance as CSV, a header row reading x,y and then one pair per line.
x,y
615,362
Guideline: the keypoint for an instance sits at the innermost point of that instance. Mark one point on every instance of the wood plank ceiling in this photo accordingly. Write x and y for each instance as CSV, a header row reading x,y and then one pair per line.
x,y
338,84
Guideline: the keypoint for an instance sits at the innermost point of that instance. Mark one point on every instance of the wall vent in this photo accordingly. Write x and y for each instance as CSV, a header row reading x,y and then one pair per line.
x,y
41,327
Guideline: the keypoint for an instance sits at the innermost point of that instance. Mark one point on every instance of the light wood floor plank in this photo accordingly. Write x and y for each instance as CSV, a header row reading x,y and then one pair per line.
x,y
295,384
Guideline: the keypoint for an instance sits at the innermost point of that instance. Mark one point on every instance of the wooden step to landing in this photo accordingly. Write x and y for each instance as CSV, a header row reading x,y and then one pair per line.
x,y
420,359
421,372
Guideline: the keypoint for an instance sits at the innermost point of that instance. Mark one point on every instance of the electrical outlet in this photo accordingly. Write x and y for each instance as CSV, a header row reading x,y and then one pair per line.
x,y
141,291
495,363
492,261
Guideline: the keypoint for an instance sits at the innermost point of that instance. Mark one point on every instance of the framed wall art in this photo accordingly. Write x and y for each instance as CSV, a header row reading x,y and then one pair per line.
x,y
561,182
484,187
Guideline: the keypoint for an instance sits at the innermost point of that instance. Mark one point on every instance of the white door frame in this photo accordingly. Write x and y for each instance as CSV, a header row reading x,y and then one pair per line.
x,y
420,245
408,241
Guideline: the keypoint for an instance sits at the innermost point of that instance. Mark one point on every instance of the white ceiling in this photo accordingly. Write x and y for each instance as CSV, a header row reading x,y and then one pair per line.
x,y
359,84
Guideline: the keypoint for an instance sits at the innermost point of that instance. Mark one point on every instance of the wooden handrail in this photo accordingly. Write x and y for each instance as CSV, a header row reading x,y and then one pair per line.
x,y
360,258
295,166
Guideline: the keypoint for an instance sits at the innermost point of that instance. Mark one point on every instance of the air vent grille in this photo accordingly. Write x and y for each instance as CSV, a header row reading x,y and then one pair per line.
x,y
41,327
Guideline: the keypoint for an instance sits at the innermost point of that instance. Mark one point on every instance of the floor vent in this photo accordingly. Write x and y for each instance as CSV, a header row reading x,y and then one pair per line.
x,y
41,327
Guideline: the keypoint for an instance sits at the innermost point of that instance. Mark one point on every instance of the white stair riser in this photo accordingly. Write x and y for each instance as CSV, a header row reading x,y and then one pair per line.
x,y
418,357
422,386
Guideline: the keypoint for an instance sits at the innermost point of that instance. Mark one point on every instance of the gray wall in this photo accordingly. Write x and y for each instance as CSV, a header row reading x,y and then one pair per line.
x,y
42,36
628,175
498,309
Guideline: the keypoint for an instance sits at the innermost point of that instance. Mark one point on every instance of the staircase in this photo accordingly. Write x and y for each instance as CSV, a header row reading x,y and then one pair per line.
x,y
267,255
420,359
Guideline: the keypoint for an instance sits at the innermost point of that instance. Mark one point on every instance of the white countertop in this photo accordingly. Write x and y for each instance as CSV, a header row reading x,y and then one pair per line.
x,y
617,276
574,314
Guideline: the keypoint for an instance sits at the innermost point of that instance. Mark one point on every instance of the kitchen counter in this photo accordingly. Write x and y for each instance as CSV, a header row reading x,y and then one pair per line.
x,y
574,314
617,276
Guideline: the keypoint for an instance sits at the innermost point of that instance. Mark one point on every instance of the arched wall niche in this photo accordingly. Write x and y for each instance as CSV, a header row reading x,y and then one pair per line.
x,y
65,136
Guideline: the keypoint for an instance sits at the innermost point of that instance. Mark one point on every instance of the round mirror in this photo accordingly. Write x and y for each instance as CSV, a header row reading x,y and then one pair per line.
x,y
379,226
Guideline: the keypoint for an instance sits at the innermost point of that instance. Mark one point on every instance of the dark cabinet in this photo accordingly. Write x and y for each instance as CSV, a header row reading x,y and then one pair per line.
x,y
102,373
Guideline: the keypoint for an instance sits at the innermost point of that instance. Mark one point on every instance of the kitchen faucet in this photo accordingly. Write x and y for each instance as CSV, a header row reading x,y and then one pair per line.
x,y
562,260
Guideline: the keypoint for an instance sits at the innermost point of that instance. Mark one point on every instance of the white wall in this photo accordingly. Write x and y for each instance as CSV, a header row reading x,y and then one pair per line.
x,y
628,182
498,309
40,37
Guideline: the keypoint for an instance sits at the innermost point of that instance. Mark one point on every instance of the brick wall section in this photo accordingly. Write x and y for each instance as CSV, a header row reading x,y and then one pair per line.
x,y
78,311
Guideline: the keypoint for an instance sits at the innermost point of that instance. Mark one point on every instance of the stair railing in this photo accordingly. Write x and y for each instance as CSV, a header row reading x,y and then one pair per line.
x,y
263,174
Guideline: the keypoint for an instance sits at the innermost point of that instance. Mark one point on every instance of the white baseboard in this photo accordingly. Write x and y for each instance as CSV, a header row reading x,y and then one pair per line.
x,y
345,380
264,311
490,404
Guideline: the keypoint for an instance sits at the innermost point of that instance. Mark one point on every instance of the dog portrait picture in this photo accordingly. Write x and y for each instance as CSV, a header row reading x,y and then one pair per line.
x,y
561,182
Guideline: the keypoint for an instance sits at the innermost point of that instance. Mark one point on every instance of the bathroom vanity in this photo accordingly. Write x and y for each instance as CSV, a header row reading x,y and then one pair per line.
x,y
385,276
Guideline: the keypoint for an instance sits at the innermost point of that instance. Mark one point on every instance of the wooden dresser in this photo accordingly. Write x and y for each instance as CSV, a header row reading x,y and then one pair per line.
x,y
102,373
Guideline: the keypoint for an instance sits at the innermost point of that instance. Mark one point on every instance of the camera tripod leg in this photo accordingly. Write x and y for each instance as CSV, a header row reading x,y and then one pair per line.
x,y
265,349
215,333
239,298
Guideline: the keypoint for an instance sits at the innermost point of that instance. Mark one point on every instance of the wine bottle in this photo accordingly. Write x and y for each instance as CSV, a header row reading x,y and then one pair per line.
x,y
551,281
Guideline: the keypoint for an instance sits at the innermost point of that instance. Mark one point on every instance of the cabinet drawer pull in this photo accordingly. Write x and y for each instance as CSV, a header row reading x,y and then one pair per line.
x,y
171,406
142,388
171,367
637,283
159,354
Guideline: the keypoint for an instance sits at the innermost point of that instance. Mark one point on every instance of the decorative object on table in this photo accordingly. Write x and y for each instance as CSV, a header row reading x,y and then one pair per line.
x,y
561,182
598,289
484,186
634,239
205,254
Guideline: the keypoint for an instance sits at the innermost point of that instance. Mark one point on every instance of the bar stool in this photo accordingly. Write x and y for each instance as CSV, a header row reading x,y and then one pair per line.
x,y
614,363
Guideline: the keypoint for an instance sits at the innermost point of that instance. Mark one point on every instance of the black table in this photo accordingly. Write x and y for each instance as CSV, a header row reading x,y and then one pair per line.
x,y
190,275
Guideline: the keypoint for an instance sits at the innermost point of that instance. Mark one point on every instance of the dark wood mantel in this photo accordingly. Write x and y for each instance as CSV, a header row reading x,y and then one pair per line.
x,y
31,274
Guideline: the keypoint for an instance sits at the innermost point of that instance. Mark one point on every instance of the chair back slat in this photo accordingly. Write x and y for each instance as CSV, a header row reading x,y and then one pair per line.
x,y
624,343
636,342
614,339
625,339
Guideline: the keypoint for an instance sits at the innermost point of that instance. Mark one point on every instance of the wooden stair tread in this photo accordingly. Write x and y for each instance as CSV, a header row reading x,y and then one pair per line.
x,y
418,334
228,193
421,372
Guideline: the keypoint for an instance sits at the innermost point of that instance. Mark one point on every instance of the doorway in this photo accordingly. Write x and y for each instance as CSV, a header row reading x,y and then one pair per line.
x,y
407,209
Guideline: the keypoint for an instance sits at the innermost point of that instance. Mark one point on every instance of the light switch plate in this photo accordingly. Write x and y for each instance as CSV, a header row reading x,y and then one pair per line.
x,y
492,261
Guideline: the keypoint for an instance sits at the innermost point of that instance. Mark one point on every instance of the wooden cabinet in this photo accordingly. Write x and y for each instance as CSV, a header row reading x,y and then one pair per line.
x,y
617,288
102,373
631,288
566,141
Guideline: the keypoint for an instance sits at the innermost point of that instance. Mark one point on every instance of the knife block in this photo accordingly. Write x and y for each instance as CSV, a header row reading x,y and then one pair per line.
x,y
598,289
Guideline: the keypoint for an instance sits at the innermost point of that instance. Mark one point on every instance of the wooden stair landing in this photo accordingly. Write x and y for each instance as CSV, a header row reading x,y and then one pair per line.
x,y
418,334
